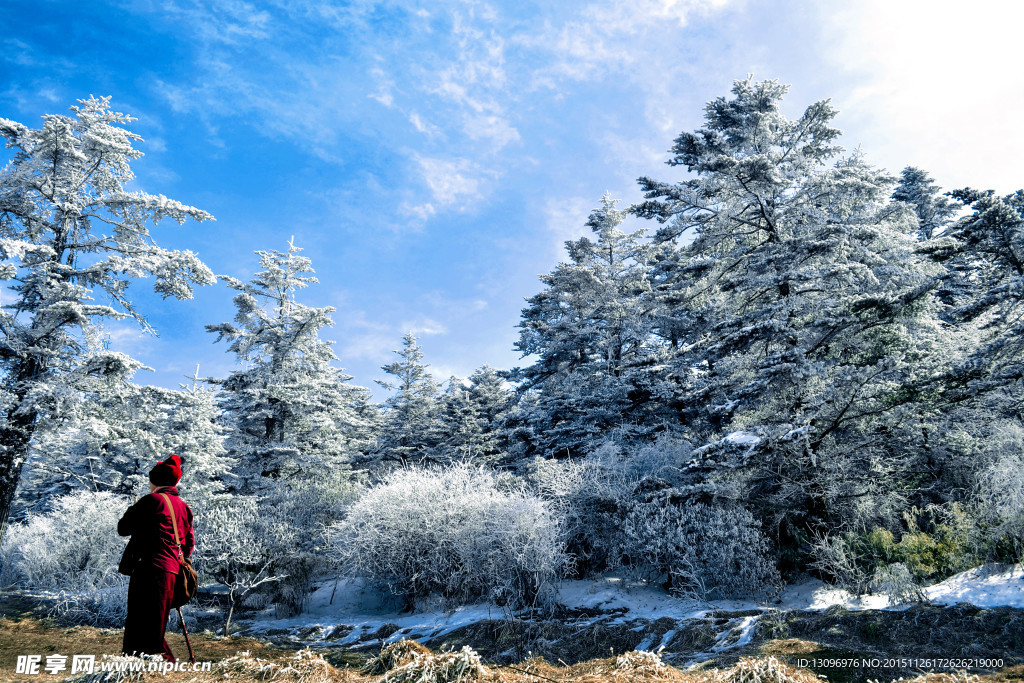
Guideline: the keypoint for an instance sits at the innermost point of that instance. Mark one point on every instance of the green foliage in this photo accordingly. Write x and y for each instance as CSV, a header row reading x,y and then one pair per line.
x,y
930,556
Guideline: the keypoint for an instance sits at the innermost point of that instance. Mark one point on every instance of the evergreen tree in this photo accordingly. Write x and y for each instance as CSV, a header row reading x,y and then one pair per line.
x,y
63,181
917,189
589,329
984,289
472,417
412,424
290,411
805,311
108,433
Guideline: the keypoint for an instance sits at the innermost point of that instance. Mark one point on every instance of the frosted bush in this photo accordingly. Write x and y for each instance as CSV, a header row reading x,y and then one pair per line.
x,y
73,547
664,459
103,608
453,532
305,666
836,561
393,656
443,667
290,527
897,583
707,552
999,498
766,670
587,496
643,663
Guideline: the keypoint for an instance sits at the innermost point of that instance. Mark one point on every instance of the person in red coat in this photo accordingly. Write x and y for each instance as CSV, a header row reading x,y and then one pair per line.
x,y
152,554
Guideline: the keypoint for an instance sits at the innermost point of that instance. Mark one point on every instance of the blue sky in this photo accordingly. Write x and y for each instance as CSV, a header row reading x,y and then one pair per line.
x,y
432,157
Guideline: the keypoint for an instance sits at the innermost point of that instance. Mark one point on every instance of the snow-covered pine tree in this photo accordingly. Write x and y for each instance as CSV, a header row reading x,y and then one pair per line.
x,y
63,182
290,412
413,425
984,256
472,417
918,190
107,433
805,311
191,426
589,329
96,436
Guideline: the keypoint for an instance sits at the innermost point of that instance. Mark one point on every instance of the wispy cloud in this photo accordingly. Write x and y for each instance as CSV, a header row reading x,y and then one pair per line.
x,y
451,181
461,76
424,326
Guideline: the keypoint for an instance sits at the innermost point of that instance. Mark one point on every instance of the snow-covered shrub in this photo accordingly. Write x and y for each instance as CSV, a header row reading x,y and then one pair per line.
x,y
305,666
707,552
835,561
453,532
290,525
232,552
897,583
945,548
103,608
268,549
764,670
587,496
72,547
663,458
393,656
642,663
999,500
442,667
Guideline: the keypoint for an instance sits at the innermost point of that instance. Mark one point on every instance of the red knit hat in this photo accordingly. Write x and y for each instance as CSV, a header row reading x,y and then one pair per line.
x,y
166,473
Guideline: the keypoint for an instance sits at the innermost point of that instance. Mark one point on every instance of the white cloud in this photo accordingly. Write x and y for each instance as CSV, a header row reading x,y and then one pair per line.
x,y
421,212
371,346
494,129
451,181
224,21
937,86
424,326
422,126
566,219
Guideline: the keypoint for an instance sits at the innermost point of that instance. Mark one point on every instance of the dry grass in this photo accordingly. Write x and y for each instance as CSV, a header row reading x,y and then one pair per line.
x,y
240,659
394,656
765,670
305,666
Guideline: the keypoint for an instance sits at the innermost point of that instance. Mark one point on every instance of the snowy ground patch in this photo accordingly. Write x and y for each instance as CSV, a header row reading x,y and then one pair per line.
x,y
349,613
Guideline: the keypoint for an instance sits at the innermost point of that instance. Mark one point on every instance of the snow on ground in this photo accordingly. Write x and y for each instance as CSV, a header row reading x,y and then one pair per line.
x,y
346,611
983,587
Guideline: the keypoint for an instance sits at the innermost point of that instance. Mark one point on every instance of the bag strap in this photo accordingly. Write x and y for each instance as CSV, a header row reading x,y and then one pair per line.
x,y
174,523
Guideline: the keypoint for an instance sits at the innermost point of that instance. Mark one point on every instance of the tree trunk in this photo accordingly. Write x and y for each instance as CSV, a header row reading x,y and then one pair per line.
x,y
15,435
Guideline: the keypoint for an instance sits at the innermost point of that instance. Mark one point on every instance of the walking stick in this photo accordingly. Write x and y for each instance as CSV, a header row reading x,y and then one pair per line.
x,y
191,657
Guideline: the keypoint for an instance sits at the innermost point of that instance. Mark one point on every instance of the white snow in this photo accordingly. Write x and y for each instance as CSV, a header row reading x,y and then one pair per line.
x,y
982,586
365,610
742,439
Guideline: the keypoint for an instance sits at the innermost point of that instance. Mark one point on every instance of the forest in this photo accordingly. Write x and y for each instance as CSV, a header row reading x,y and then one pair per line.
x,y
783,363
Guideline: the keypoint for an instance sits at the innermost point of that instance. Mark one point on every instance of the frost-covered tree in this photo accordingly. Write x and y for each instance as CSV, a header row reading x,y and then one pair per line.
x,y
985,292
107,433
412,426
805,312
472,414
589,330
70,230
917,189
290,411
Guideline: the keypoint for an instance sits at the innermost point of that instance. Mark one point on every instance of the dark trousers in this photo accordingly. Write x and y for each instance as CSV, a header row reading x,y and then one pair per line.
x,y
149,602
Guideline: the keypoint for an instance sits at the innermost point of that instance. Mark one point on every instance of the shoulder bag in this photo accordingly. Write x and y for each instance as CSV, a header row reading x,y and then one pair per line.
x,y
187,582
